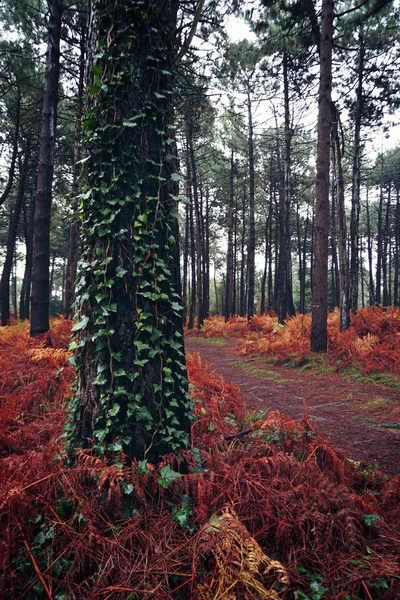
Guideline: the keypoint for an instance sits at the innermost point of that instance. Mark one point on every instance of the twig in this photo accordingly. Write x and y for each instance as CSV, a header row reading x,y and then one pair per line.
x,y
35,565
233,436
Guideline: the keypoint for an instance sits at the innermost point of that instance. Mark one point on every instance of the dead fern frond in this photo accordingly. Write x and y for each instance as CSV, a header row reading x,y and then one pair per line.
x,y
242,570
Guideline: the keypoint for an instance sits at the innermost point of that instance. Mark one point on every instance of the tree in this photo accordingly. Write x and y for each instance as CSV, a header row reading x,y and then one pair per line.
x,y
319,330
43,198
132,385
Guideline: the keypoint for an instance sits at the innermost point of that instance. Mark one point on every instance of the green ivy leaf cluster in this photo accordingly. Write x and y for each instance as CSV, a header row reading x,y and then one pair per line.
x,y
132,382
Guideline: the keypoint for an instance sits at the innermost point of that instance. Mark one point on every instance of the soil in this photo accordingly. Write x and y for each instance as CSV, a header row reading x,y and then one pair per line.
x,y
362,420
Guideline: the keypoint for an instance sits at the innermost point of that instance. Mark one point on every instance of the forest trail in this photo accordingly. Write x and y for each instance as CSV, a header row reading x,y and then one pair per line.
x,y
362,420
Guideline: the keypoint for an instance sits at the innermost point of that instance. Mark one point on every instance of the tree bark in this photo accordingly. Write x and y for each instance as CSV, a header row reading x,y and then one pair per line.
x,y
319,329
43,198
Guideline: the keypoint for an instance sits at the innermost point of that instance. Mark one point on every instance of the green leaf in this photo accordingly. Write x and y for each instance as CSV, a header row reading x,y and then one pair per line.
x,y
177,177
174,212
120,272
82,324
167,475
114,410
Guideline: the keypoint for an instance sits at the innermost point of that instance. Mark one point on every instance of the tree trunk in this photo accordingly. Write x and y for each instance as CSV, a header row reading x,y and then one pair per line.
x,y
185,264
11,171
73,246
355,192
229,307
340,222
192,311
386,255
132,384
396,299
380,235
242,310
24,306
43,198
371,287
319,329
251,246
284,287
11,239
198,228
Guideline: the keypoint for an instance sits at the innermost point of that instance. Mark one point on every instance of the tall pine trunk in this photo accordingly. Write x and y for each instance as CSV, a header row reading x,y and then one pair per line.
x,y
229,306
355,191
340,219
251,246
43,198
319,329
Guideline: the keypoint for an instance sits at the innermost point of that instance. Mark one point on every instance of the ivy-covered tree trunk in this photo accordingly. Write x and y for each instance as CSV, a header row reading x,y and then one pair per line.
x,y
41,229
132,384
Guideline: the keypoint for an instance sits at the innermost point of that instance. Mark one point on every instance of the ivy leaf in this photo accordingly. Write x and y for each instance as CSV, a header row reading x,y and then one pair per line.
x,y
120,272
177,177
114,410
174,212
167,475
82,323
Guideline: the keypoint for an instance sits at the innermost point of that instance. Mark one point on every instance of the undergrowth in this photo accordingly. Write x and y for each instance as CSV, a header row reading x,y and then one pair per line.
x,y
260,507
368,352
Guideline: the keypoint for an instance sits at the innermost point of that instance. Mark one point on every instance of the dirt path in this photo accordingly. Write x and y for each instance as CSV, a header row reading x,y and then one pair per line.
x,y
363,420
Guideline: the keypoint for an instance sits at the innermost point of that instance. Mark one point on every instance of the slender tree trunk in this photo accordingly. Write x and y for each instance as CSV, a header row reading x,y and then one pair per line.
x,y
251,246
385,254
15,299
73,246
284,287
355,193
14,156
198,228
319,330
340,218
242,310
229,306
380,236
24,307
43,198
362,271
11,239
192,311
396,299
371,287
206,256
185,264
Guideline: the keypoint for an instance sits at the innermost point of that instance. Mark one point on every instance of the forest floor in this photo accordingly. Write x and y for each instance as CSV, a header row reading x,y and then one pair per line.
x,y
362,420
